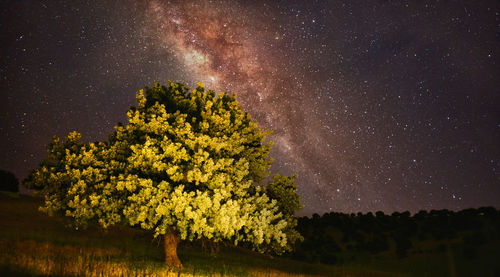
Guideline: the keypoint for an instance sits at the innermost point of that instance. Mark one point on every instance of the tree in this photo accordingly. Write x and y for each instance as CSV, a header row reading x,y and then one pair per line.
x,y
187,166
48,174
8,181
284,190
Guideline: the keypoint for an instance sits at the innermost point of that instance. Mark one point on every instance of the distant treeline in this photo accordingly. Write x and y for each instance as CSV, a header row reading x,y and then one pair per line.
x,y
325,237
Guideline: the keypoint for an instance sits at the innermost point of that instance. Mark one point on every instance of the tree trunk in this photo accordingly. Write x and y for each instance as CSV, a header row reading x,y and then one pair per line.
x,y
170,244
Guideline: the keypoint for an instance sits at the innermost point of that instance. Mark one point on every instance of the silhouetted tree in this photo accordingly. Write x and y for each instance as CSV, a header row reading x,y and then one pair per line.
x,y
8,181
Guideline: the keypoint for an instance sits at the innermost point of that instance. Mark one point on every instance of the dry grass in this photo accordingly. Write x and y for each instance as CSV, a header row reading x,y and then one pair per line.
x,y
42,258
31,243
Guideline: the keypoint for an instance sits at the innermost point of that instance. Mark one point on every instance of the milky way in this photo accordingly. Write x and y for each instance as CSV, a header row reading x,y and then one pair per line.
x,y
238,54
375,106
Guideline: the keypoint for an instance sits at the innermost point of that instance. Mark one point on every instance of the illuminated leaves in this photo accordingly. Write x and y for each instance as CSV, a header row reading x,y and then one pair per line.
x,y
187,162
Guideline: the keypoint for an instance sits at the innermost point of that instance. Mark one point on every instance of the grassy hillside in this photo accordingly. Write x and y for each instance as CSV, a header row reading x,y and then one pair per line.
x,y
32,243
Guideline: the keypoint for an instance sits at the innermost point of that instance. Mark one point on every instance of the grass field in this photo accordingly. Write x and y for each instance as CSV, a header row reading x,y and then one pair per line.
x,y
32,243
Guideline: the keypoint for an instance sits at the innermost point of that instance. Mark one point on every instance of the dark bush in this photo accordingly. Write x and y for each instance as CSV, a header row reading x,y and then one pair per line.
x,y
441,248
377,244
403,244
328,258
476,238
8,181
470,252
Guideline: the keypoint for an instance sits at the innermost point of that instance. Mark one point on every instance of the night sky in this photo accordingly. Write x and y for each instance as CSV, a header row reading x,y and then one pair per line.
x,y
376,105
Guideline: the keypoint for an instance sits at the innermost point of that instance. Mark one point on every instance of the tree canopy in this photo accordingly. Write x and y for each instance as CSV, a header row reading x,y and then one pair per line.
x,y
188,164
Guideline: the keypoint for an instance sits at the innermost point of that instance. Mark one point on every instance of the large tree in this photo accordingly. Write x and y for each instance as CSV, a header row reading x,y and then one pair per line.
x,y
188,165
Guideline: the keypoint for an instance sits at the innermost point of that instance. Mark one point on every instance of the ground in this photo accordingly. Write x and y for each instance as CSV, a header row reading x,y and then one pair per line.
x,y
32,243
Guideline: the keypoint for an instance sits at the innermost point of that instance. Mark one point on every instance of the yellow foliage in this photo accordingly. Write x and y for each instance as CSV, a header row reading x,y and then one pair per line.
x,y
189,167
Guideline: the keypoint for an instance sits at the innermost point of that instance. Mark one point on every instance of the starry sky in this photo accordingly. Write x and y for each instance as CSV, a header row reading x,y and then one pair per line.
x,y
375,105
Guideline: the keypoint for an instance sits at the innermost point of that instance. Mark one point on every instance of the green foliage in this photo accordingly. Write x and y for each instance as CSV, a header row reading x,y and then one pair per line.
x,y
187,162
8,181
284,191
53,163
